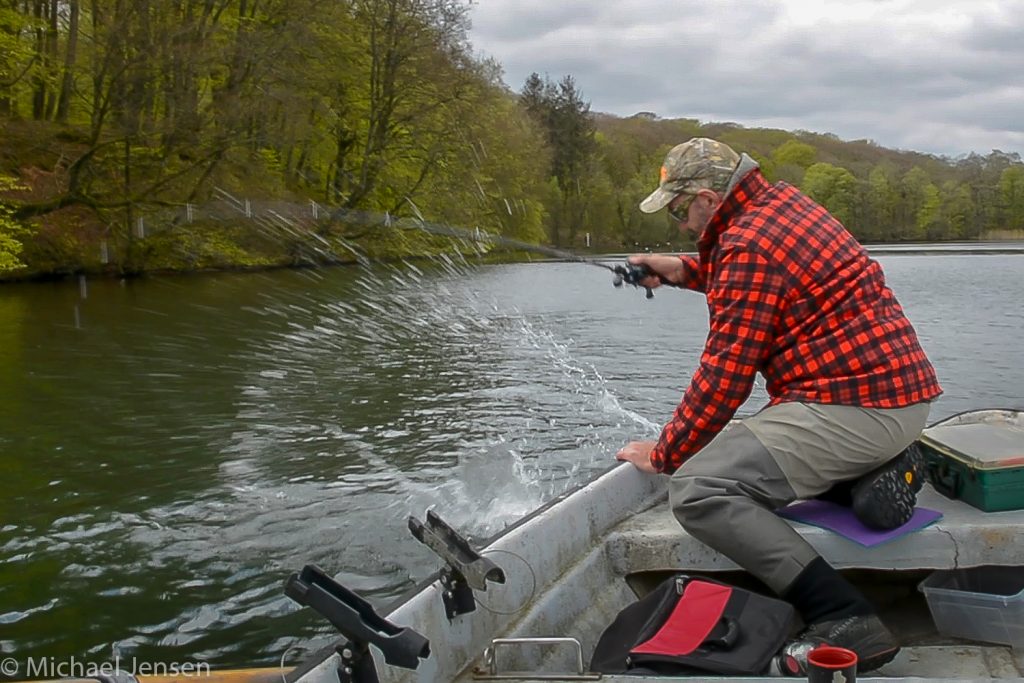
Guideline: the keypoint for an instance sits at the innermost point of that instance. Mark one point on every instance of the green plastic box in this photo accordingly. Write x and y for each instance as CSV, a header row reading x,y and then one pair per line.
x,y
978,457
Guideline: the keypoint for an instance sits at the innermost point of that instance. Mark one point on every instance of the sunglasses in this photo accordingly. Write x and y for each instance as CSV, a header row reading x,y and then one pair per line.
x,y
681,212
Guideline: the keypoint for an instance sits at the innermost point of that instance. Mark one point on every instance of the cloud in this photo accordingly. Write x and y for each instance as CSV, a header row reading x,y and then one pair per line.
x,y
930,75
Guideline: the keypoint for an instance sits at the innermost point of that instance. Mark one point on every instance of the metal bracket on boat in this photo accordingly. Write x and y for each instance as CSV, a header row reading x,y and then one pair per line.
x,y
491,672
356,619
466,569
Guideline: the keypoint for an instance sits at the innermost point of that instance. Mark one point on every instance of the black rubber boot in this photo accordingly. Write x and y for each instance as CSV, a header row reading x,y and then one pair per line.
x,y
838,614
820,593
866,635
885,498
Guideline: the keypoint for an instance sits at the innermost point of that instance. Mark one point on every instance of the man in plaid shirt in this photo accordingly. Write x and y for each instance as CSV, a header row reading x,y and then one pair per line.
x,y
793,296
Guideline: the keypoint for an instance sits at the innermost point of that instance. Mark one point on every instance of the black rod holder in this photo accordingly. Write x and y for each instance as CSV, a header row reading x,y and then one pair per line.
x,y
466,570
359,623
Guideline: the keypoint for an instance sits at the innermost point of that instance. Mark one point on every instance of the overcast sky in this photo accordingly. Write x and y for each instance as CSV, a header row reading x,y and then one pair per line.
x,y
938,76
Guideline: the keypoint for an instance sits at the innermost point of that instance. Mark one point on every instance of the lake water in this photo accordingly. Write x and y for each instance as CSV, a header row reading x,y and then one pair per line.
x,y
174,447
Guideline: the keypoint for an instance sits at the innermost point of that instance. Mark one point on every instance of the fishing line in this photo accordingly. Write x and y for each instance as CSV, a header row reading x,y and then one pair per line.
x,y
533,586
275,225
628,273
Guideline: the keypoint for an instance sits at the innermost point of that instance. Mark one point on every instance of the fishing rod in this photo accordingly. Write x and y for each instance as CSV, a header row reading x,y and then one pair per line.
x,y
628,273
274,221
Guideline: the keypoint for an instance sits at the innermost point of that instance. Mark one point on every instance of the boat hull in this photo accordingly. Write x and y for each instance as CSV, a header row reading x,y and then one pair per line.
x,y
574,564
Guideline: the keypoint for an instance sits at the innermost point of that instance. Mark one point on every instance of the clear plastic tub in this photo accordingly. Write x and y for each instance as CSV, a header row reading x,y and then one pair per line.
x,y
981,603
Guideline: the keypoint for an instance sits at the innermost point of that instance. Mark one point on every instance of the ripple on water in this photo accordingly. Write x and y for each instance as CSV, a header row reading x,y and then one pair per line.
x,y
15,616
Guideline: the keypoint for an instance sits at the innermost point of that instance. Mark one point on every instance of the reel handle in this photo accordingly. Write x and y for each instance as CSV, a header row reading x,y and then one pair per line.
x,y
632,274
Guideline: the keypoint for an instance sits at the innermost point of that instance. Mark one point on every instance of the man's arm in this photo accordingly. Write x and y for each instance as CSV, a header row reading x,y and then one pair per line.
x,y
678,271
745,299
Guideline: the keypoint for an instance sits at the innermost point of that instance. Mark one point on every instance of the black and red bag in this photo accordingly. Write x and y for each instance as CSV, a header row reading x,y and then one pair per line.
x,y
694,625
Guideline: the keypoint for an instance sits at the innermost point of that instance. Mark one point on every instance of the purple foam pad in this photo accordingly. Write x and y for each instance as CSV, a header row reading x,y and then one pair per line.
x,y
842,521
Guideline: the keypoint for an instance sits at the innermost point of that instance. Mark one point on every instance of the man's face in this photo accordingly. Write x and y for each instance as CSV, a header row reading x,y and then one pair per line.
x,y
692,211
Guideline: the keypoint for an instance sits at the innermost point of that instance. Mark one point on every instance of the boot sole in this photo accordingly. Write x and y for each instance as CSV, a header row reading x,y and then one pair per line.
x,y
885,499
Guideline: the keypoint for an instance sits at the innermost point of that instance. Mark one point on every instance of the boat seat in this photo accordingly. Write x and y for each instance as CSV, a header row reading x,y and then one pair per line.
x,y
964,537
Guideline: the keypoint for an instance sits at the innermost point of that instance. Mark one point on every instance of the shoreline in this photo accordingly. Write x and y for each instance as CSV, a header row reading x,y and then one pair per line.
x,y
981,248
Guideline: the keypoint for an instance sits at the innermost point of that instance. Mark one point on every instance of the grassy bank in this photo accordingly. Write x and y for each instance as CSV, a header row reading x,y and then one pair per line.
x,y
1002,235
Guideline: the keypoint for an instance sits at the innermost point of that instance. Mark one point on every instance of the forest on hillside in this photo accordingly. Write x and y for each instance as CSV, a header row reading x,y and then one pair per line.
x,y
126,127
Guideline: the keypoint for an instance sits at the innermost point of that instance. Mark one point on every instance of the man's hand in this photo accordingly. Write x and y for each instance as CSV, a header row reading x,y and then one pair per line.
x,y
638,453
669,269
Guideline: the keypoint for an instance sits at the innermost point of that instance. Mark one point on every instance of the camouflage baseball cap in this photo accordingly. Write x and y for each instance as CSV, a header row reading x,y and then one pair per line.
x,y
696,164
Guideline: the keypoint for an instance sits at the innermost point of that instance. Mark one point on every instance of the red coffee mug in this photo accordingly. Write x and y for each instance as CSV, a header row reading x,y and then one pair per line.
x,y
827,664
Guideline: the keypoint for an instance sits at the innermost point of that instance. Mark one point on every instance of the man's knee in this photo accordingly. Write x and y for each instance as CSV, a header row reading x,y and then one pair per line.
x,y
696,500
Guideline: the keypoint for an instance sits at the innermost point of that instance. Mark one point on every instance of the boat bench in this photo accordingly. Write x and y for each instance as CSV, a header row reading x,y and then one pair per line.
x,y
964,537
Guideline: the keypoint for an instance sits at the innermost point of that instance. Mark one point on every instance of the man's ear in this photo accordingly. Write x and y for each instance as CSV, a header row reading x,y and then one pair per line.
x,y
712,197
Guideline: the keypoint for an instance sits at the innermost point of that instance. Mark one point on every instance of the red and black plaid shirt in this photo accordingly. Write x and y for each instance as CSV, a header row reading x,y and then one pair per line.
x,y
794,296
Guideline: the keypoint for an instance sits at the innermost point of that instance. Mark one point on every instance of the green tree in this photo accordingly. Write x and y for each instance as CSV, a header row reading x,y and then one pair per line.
x,y
16,55
882,202
833,187
791,160
914,195
983,174
565,115
497,176
796,153
387,100
958,209
929,221
629,165
1011,197
11,231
